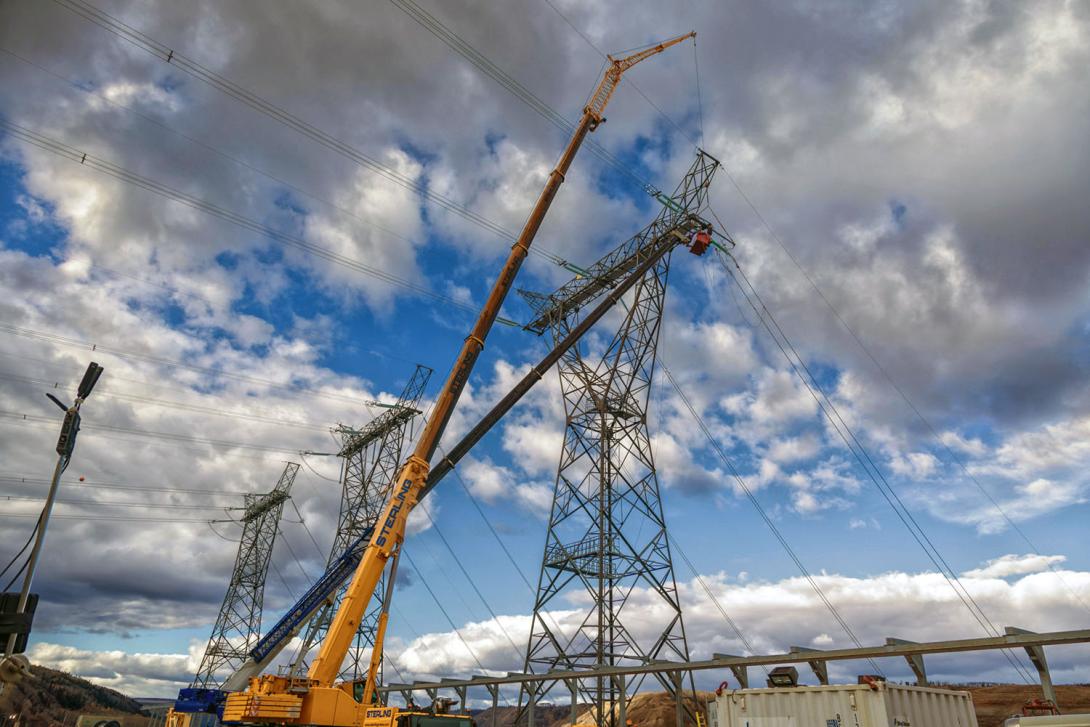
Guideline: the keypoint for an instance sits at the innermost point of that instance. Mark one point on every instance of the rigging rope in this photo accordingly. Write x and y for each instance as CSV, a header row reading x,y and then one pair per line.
x,y
862,456
472,583
446,615
699,94
761,511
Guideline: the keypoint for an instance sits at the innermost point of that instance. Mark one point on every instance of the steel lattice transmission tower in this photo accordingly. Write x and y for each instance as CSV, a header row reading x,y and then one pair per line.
x,y
370,458
239,624
607,535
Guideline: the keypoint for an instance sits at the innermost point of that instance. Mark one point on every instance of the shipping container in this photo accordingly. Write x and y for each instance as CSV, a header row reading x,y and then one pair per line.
x,y
1056,720
849,705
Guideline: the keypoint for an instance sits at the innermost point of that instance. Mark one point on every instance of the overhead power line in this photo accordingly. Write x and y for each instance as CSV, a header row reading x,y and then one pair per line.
x,y
831,412
181,406
261,105
105,503
119,518
106,485
174,363
108,168
170,436
446,615
225,155
900,391
761,511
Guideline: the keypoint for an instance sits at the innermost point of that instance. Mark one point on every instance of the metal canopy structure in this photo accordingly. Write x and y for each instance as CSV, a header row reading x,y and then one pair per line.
x,y
238,626
1014,639
607,535
370,457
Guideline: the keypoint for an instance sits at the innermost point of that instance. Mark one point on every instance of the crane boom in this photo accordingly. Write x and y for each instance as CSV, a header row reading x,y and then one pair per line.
x,y
321,702
617,67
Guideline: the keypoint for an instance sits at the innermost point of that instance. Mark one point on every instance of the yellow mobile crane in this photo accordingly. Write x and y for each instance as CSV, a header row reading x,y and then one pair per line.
x,y
317,700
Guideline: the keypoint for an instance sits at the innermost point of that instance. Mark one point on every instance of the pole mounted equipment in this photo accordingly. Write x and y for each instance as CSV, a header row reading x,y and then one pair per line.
x,y
317,700
66,445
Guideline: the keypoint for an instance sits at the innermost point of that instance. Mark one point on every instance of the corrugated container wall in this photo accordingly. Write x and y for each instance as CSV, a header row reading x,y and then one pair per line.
x,y
849,705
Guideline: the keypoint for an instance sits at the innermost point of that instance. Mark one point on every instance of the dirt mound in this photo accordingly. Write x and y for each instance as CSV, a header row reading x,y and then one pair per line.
x,y
649,709
646,709
53,697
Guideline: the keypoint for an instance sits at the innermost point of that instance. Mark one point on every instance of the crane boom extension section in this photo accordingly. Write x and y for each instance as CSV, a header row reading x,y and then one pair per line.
x,y
317,700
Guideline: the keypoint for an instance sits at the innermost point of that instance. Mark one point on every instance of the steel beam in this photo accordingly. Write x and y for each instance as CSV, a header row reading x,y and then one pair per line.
x,y
741,673
988,643
494,691
818,666
679,698
915,661
573,688
1036,654
622,700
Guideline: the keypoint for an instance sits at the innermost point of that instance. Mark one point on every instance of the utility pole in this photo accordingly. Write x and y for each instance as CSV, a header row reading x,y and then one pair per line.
x,y
66,445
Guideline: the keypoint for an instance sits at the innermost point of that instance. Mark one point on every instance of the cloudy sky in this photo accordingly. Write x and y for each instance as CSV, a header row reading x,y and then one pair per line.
x,y
907,187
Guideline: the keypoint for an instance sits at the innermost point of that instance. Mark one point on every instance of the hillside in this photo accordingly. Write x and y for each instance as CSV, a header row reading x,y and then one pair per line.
x,y
54,696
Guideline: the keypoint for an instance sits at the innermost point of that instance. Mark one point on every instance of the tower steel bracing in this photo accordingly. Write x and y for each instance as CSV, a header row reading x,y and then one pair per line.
x,y
370,458
238,627
607,535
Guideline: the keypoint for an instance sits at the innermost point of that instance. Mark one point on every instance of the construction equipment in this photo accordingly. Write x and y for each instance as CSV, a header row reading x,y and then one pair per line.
x,y
370,456
211,701
317,700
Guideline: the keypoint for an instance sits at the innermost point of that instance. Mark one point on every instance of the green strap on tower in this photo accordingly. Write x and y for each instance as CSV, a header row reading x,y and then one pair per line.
x,y
669,203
